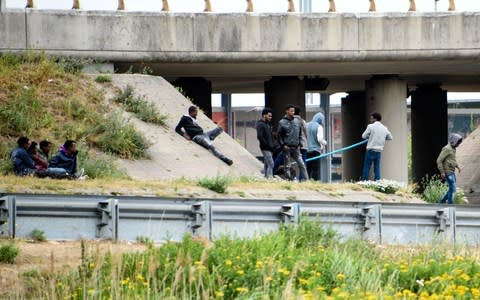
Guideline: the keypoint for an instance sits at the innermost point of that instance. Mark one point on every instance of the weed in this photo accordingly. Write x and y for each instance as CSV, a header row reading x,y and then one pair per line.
x,y
144,240
144,110
217,184
103,78
435,188
8,253
241,194
38,235
119,137
72,65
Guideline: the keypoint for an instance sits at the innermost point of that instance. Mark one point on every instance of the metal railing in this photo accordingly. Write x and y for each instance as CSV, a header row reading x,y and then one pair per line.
x,y
72,217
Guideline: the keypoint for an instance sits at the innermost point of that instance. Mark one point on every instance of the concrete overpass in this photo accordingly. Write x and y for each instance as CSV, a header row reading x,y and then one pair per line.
x,y
379,58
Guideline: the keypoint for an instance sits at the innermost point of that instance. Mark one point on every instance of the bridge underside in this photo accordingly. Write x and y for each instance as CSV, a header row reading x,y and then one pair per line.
x,y
454,76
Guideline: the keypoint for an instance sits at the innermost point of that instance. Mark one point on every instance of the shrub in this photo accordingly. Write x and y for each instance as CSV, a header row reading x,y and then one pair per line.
x,y
217,184
382,186
435,189
102,166
119,137
103,78
38,235
72,65
8,253
144,110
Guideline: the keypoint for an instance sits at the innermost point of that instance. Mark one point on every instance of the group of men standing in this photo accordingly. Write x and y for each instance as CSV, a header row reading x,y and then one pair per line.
x,y
295,139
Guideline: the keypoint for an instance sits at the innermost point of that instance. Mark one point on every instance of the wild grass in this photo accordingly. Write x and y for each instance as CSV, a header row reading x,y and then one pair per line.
x,y
435,188
8,253
46,98
218,184
296,262
103,78
144,110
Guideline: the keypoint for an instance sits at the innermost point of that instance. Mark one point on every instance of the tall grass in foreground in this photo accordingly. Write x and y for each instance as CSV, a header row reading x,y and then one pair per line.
x,y
303,262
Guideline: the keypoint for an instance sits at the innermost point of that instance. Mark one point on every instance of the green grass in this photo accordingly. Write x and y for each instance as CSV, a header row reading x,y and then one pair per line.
x,y
305,261
38,235
435,188
217,184
8,253
142,109
103,78
47,98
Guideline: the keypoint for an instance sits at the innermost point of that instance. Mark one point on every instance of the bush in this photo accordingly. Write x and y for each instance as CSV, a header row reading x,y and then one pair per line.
x,y
38,235
72,65
8,253
102,166
119,137
144,110
435,189
383,186
217,184
103,78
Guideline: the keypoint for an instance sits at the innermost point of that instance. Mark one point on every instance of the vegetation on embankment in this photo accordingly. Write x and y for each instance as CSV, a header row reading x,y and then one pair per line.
x,y
297,262
47,98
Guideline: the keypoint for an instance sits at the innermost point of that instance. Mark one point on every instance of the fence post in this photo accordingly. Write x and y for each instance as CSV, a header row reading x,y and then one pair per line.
x,y
8,212
290,214
201,224
446,218
372,223
107,227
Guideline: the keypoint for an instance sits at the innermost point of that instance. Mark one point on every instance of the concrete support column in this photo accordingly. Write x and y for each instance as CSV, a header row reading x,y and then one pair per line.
x,y
387,95
199,90
429,129
353,125
326,163
227,106
2,5
280,91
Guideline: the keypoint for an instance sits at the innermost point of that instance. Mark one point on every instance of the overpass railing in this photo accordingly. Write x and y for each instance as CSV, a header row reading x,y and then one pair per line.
x,y
72,217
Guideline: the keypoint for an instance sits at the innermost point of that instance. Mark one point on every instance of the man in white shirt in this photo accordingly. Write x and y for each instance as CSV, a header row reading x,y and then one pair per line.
x,y
377,134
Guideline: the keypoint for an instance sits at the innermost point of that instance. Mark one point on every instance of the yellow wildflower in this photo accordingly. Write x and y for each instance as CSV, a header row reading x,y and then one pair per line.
x,y
228,262
241,289
240,272
340,276
219,294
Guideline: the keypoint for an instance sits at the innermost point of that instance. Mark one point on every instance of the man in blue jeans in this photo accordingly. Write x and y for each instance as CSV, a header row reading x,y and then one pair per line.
x,y
446,164
376,134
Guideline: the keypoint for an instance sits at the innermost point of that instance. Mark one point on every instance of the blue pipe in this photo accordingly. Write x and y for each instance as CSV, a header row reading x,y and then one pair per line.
x,y
336,151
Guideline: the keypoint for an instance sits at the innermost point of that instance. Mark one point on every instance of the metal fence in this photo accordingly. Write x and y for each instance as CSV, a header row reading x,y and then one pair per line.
x,y
72,217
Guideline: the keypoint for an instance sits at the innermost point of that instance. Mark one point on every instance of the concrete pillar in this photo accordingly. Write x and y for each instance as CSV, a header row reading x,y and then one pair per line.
x,y
199,90
326,163
227,106
353,125
2,5
280,91
429,129
387,95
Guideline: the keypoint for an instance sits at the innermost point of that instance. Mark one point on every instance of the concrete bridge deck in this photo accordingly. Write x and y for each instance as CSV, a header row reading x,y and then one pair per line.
x,y
444,47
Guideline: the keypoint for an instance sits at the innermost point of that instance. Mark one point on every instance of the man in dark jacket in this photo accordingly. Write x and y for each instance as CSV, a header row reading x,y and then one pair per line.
x,y
289,137
23,164
65,161
192,131
265,137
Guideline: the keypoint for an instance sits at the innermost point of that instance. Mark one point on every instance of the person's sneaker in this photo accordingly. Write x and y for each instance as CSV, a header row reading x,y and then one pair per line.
x,y
80,173
228,161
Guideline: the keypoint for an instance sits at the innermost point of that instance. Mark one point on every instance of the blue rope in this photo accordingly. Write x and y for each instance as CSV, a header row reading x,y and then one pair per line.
x,y
336,151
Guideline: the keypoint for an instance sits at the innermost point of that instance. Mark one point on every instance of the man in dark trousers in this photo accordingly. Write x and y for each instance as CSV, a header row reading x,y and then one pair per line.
x,y
265,138
289,137
23,164
192,131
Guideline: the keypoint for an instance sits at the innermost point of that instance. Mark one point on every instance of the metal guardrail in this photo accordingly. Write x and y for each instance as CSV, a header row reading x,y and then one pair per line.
x,y
71,217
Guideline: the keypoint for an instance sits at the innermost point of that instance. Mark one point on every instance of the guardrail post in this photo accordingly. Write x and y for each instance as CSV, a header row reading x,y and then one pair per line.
x,y
290,213
446,223
108,226
202,219
372,223
8,212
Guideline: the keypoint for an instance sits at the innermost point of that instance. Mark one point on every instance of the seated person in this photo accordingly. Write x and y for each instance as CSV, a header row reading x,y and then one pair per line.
x,y
23,164
44,151
40,163
65,161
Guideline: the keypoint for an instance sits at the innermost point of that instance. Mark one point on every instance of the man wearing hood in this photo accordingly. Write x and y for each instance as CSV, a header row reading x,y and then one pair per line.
x,y
316,144
289,136
446,164
65,161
